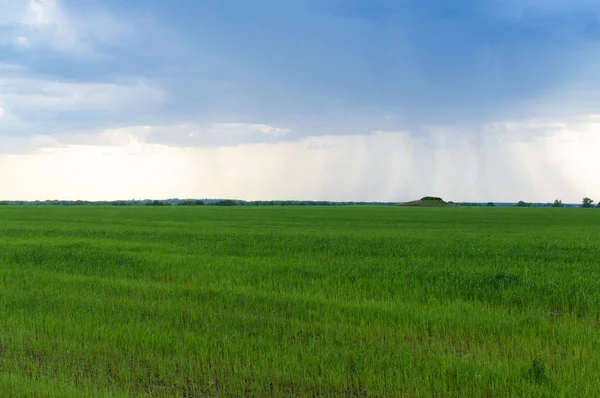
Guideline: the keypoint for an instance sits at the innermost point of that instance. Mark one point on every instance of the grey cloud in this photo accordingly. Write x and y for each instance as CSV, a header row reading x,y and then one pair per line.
x,y
461,66
36,105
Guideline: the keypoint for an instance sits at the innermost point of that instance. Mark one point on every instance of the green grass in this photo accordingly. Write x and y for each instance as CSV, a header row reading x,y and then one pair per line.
x,y
308,301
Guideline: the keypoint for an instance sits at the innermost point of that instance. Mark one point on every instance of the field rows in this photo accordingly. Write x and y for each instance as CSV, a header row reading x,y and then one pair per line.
x,y
349,301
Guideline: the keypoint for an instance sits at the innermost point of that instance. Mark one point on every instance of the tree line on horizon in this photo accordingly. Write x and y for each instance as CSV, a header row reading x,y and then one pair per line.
x,y
585,203
191,202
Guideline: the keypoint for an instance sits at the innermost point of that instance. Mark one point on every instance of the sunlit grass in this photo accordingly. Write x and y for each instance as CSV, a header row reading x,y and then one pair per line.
x,y
353,301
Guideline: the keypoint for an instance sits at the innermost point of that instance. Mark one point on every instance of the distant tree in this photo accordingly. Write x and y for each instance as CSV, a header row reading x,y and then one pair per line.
x,y
469,204
558,203
156,203
191,202
586,202
598,205
3,203
226,202
520,203
490,204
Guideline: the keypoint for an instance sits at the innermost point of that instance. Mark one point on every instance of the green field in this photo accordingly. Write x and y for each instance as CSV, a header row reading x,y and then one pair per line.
x,y
299,301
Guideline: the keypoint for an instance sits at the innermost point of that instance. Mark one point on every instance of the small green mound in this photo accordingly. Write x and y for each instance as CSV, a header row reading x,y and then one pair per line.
x,y
428,201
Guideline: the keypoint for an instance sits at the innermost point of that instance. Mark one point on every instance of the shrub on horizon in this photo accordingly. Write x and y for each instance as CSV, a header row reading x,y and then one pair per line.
x,y
226,202
191,202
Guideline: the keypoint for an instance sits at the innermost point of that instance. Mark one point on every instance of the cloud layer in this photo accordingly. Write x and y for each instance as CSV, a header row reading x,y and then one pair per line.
x,y
345,100
384,166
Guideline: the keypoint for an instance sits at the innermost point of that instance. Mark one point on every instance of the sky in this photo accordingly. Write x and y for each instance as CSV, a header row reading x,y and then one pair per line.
x,y
345,100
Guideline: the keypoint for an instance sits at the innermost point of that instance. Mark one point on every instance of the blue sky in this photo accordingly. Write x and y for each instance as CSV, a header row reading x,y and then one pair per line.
x,y
230,73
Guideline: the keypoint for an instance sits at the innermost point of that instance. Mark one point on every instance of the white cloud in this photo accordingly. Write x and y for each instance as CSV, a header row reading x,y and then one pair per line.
x,y
50,23
37,104
385,166
238,129
269,130
318,143
42,13
216,134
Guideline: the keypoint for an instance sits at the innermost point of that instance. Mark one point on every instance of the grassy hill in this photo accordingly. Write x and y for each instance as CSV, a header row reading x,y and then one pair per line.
x,y
428,201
